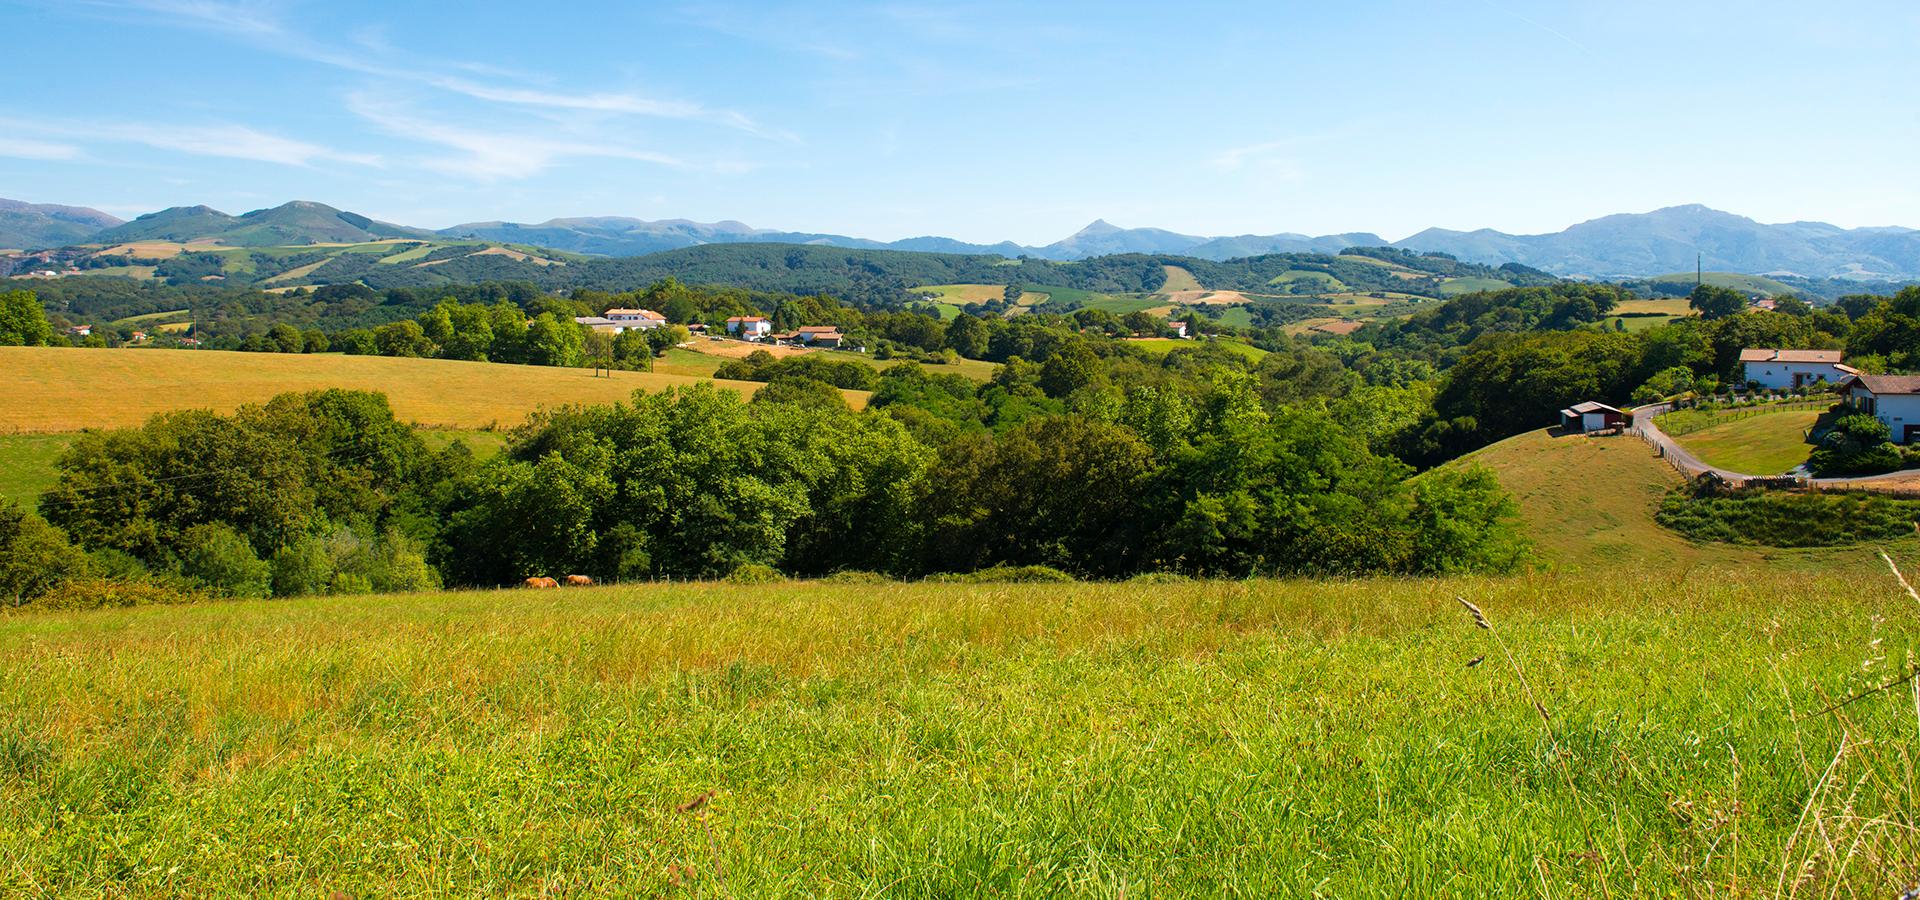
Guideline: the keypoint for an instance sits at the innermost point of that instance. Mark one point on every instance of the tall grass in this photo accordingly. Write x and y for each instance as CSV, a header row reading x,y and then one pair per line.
x,y
1243,739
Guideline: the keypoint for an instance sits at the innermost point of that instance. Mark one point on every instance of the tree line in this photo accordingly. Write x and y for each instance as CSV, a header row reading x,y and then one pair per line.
x,y
325,492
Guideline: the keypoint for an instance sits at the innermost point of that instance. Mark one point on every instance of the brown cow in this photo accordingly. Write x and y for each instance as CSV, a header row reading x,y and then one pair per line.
x,y
540,583
579,581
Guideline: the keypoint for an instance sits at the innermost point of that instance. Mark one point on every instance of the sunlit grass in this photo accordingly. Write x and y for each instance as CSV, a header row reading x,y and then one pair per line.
x,y
1245,739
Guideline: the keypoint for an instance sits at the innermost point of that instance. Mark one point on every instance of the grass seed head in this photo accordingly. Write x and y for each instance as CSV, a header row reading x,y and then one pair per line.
x,y
697,803
1479,618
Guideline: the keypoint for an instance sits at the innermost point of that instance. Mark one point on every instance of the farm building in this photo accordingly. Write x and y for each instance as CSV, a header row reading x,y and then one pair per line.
x,y
1893,399
636,318
1581,418
599,323
1774,368
819,335
752,328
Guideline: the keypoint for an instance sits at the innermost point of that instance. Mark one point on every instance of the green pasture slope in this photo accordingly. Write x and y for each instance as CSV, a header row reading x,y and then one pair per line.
x,y
1342,739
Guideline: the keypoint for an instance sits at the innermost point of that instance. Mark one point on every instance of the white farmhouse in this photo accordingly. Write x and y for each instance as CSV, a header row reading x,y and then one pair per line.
x,y
645,319
752,328
1773,368
1893,399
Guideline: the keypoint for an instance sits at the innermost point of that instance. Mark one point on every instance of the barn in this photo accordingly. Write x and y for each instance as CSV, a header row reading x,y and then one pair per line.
x,y
1582,418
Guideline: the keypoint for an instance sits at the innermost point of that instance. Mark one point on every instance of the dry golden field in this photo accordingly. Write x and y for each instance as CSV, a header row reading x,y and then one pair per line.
x,y
67,389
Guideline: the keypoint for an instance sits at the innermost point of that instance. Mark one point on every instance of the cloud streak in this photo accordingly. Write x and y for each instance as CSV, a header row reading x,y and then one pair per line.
x,y
22,148
227,141
493,155
260,24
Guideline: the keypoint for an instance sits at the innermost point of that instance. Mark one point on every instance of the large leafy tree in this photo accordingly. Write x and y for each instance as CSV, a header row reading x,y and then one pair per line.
x,y
22,321
1714,302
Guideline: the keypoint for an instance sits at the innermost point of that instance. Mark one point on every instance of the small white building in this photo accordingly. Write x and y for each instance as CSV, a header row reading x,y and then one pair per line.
x,y
1774,368
751,328
1179,328
601,324
1590,416
1893,399
645,319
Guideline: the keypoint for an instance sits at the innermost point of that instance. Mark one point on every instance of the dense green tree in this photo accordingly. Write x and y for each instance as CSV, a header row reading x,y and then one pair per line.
x,y
556,341
405,339
220,559
284,338
34,556
968,336
1714,302
22,320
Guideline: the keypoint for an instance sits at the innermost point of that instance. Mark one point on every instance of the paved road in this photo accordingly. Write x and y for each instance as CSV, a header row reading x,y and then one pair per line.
x,y
1693,467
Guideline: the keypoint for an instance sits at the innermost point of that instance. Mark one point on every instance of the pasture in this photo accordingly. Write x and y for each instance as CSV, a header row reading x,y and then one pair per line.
x,y
1588,505
26,465
1250,738
1179,279
1669,306
67,389
1163,346
963,294
1766,444
1453,287
1318,282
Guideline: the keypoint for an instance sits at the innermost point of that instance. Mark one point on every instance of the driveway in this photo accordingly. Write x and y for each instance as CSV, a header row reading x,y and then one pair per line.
x,y
1691,466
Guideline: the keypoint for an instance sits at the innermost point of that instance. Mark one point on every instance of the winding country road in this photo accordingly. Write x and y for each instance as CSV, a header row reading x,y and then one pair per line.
x,y
1691,466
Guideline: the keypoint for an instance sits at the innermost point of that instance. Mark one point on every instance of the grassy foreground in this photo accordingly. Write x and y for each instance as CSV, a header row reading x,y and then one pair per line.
x,y
67,389
1243,739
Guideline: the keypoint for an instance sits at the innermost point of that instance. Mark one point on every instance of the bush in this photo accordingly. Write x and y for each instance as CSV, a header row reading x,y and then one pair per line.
x,y
1857,444
222,561
99,593
303,568
755,573
1706,512
856,577
1159,578
1006,575
35,557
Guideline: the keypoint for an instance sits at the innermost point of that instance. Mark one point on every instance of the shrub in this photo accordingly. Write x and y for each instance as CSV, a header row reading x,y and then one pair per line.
x,y
1705,512
1857,444
1159,578
303,568
755,573
218,558
1006,575
856,577
99,593
35,557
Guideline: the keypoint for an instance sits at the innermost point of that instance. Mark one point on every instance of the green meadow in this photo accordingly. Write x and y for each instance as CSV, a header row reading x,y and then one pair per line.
x,y
1648,734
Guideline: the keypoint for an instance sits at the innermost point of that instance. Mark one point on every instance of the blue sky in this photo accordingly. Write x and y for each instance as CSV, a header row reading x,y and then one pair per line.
x,y
984,122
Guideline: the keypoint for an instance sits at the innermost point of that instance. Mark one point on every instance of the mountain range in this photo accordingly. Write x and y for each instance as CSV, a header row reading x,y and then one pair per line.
x,y
1618,246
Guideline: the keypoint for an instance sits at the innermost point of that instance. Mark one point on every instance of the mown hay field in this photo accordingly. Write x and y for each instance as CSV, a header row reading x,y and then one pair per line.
x,y
1188,739
67,389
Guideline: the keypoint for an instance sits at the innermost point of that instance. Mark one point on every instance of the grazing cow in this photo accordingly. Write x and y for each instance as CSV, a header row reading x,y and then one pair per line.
x,y
540,583
579,581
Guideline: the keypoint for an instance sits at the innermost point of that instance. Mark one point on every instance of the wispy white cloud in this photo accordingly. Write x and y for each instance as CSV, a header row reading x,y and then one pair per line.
x,y
22,148
1275,157
494,155
228,141
261,23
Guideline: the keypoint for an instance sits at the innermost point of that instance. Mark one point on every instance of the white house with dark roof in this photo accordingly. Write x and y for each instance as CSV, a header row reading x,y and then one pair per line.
x,y
1776,368
1893,399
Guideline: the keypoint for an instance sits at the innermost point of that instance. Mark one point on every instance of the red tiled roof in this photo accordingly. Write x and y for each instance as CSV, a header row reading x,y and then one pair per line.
x,y
1764,354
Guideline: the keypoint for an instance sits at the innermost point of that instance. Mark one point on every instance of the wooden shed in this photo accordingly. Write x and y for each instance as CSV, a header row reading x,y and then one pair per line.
x,y
1582,418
